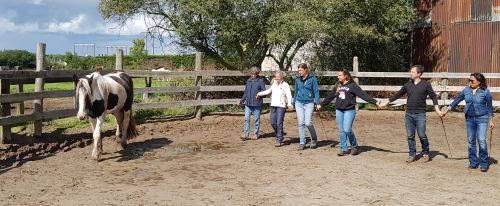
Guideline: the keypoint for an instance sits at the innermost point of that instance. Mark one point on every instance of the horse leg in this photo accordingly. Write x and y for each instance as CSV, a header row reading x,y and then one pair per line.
x,y
97,125
125,124
119,128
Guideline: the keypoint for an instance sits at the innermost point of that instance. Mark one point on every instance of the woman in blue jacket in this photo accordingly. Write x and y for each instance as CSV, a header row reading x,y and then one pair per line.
x,y
478,117
254,85
306,95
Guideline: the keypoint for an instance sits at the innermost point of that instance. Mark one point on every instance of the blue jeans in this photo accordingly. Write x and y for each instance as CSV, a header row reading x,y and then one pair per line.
x,y
345,118
304,117
412,122
256,110
277,118
477,130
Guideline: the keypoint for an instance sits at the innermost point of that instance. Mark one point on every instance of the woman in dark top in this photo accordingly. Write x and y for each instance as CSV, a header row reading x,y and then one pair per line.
x,y
345,92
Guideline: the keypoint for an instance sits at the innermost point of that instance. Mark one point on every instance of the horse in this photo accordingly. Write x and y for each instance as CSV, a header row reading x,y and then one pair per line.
x,y
98,95
97,67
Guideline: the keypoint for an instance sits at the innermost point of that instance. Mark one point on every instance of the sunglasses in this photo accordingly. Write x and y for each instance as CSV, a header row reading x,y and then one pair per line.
x,y
472,81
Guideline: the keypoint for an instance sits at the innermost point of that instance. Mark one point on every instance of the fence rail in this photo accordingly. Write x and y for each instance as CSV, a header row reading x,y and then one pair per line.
x,y
10,77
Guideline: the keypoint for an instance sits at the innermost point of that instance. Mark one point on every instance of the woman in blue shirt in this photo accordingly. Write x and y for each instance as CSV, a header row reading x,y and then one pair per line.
x,y
478,117
304,100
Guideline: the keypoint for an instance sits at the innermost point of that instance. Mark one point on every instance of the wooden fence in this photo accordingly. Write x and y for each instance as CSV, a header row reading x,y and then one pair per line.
x,y
38,116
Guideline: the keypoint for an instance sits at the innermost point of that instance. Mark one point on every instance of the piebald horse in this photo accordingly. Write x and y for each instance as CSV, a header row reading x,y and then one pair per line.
x,y
98,95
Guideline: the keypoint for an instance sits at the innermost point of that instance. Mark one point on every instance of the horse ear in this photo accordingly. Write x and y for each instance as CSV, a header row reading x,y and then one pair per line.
x,y
75,79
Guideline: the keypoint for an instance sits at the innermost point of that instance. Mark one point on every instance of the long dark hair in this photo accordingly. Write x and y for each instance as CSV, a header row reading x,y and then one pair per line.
x,y
349,79
481,79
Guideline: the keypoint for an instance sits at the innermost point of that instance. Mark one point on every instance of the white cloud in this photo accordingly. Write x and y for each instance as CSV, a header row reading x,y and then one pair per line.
x,y
133,27
71,26
37,2
9,26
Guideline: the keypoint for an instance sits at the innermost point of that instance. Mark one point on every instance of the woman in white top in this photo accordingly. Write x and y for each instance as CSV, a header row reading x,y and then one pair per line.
x,y
281,98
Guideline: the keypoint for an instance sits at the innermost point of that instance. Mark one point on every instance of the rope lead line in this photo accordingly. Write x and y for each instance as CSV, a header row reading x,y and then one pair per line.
x,y
446,136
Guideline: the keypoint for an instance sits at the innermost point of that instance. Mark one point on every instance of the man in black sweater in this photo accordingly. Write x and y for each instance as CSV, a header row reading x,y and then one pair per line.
x,y
415,118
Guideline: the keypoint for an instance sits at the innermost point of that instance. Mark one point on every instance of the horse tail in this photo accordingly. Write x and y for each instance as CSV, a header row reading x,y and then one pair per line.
x,y
131,130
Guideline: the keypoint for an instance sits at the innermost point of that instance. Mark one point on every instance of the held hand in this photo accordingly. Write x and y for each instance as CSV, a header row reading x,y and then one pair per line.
x,y
257,96
440,114
290,108
445,112
318,107
383,105
379,106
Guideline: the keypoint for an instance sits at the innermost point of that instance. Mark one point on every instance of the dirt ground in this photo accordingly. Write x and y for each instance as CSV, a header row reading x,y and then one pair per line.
x,y
184,161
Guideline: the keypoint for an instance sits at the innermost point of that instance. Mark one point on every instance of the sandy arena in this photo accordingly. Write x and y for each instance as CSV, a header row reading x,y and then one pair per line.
x,y
184,161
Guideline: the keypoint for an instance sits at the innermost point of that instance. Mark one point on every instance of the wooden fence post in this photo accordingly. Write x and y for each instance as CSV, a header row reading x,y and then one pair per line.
x,y
5,131
444,94
149,82
119,59
38,103
19,89
355,68
199,62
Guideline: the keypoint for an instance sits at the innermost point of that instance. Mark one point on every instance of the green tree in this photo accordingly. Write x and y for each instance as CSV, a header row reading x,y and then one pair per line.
x,y
137,52
81,63
373,30
237,34
240,33
12,58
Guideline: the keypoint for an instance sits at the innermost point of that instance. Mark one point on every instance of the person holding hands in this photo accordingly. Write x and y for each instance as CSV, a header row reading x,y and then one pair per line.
x,y
253,105
281,98
415,117
478,118
345,92
306,95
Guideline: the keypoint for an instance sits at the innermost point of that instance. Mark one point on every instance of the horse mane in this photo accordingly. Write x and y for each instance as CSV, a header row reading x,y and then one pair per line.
x,y
84,87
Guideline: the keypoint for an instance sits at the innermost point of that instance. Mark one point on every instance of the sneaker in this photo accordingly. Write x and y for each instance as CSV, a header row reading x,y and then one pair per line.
x,y
313,144
277,144
302,146
410,159
244,137
255,136
425,158
342,153
484,169
472,167
354,151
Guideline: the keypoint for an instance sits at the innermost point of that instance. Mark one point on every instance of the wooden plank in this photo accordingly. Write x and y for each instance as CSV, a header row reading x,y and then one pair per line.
x,y
39,85
58,94
65,74
5,130
165,89
17,119
56,114
197,95
163,105
21,97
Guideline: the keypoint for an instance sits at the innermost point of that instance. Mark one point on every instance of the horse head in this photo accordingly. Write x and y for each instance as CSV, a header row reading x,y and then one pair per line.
x,y
83,94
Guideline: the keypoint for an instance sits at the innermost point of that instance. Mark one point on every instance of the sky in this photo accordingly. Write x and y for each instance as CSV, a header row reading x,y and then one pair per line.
x,y
68,26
